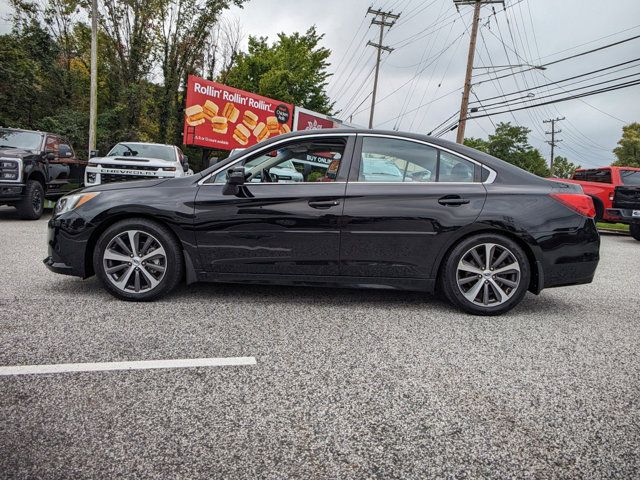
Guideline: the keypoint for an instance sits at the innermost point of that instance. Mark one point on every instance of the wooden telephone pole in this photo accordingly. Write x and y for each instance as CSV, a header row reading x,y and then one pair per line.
x,y
380,18
553,142
464,106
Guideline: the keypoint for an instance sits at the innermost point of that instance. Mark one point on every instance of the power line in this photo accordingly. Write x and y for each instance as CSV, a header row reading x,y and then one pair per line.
x,y
563,99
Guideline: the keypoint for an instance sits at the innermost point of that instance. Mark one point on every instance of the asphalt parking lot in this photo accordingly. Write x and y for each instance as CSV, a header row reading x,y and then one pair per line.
x,y
347,383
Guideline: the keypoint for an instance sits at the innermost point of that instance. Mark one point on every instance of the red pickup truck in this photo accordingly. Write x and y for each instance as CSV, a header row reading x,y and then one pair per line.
x,y
615,192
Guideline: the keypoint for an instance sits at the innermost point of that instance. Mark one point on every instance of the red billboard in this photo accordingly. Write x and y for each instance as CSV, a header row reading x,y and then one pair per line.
x,y
221,117
308,120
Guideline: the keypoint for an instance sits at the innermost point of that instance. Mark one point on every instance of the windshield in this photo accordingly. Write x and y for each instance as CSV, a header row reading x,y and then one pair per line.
x,y
20,139
630,177
162,152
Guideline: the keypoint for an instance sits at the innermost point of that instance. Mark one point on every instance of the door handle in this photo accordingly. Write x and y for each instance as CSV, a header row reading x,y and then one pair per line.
x,y
323,204
453,200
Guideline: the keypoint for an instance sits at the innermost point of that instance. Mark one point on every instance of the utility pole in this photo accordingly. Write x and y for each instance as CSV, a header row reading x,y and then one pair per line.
x,y
93,91
553,132
380,18
464,106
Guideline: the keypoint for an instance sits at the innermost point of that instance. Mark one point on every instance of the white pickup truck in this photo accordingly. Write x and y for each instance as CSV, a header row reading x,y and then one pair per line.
x,y
137,161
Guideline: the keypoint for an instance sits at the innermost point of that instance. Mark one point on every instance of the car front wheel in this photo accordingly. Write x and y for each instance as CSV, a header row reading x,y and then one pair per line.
x,y
486,274
138,260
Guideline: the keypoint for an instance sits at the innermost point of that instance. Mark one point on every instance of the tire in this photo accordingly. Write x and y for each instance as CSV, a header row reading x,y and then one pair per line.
x,y
155,269
634,230
31,206
483,291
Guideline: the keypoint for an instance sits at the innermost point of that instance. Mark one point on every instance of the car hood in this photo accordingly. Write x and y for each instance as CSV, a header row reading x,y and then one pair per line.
x,y
147,183
14,152
146,161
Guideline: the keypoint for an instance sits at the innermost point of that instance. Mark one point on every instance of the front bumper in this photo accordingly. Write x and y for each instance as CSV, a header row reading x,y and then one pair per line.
x,y
99,175
623,215
10,192
67,241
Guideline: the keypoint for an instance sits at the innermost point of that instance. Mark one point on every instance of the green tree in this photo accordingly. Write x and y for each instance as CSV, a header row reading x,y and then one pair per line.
x,y
293,69
182,35
511,144
563,168
628,149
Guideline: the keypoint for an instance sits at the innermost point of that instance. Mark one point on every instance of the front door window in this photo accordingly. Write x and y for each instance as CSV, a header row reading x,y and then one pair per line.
x,y
311,161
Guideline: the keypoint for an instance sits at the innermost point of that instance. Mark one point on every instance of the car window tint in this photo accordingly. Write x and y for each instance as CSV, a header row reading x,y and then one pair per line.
x,y
312,160
455,169
393,160
630,177
599,176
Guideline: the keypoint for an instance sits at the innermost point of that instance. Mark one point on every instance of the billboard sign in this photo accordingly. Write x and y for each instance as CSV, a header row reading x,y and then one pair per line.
x,y
309,120
221,117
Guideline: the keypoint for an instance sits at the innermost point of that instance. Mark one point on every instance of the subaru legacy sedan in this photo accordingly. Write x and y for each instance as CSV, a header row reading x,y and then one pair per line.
x,y
373,209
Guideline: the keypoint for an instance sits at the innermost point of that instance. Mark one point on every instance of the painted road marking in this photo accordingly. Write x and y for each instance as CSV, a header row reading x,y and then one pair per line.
x,y
140,365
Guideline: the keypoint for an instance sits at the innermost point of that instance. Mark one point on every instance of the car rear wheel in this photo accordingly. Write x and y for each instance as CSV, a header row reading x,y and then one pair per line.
x,y
32,204
634,230
138,260
486,274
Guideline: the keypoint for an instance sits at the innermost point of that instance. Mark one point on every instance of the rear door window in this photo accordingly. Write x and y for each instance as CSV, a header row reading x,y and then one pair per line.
x,y
386,160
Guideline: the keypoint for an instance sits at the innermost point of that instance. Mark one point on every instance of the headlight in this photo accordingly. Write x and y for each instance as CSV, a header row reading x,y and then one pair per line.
x,y
9,175
71,202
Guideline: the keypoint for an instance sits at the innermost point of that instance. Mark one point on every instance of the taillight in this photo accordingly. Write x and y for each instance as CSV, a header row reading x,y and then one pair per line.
x,y
611,197
579,203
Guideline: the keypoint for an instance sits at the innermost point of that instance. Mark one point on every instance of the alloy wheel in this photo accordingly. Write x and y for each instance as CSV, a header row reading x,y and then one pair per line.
x,y
488,274
134,261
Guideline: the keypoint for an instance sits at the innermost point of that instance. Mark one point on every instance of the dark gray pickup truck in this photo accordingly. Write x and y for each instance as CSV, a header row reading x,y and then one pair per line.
x,y
35,166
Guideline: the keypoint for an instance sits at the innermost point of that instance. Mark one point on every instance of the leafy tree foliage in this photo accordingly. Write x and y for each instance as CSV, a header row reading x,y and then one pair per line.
x,y
511,144
293,69
146,50
628,149
563,168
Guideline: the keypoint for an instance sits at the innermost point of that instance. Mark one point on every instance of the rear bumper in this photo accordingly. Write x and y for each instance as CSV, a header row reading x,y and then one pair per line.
x,y
622,215
570,258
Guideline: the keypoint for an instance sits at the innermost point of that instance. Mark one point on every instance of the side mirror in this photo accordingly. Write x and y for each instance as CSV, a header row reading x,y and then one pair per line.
x,y
93,153
235,178
49,156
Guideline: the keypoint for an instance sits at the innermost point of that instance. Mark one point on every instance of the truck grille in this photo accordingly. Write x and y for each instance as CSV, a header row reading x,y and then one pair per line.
x,y
131,167
110,178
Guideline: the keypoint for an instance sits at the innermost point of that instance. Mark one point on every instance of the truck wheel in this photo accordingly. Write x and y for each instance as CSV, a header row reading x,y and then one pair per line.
x,y
486,274
634,230
32,204
138,260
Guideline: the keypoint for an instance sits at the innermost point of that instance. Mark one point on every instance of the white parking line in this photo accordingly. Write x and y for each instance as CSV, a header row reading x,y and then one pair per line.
x,y
140,365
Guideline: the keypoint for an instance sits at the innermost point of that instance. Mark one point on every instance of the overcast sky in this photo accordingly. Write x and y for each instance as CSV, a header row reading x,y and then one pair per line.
x,y
429,59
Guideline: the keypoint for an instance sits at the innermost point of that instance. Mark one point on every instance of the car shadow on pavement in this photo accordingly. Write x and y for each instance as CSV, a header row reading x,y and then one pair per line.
x,y
299,296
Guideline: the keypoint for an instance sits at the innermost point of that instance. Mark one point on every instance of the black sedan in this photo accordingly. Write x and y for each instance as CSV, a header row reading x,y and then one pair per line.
x,y
373,209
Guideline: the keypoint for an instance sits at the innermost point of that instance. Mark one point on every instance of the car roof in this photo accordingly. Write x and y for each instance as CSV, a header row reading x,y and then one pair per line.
x,y
30,131
147,143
